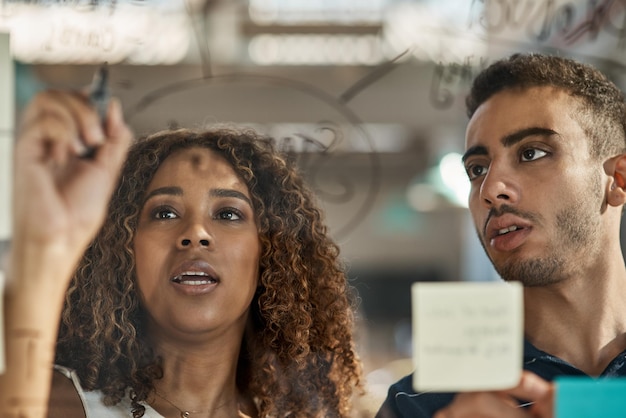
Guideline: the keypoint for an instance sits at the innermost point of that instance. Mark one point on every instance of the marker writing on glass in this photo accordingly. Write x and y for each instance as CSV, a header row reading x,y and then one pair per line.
x,y
99,99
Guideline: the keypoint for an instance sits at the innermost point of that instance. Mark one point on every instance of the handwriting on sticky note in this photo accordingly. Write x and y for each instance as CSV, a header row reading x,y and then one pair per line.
x,y
467,335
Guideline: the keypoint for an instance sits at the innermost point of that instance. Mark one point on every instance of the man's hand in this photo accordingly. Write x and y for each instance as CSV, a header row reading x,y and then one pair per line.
x,y
504,404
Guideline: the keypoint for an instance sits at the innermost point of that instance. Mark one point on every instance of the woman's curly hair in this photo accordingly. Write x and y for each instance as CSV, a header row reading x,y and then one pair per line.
x,y
298,356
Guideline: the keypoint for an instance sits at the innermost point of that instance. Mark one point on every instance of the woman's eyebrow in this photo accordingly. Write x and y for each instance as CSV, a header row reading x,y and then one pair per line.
x,y
177,191
169,190
230,193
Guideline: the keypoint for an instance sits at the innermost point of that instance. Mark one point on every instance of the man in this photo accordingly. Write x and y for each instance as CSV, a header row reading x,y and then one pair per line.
x,y
545,156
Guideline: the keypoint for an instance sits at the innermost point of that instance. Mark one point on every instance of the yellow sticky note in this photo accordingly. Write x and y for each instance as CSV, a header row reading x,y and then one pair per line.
x,y
467,336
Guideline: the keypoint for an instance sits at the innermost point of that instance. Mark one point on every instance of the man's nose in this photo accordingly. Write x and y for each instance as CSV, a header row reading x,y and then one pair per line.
x,y
499,186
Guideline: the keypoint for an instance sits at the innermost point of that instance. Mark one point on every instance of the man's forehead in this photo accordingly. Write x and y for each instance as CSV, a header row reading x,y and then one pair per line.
x,y
512,110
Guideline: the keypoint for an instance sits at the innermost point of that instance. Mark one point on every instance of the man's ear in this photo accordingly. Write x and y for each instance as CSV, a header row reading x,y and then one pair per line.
x,y
616,195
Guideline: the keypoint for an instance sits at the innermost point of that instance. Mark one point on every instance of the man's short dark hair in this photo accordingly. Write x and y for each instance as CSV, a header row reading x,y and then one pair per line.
x,y
601,114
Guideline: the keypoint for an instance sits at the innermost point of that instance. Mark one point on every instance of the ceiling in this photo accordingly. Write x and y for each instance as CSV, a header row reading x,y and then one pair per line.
x,y
377,85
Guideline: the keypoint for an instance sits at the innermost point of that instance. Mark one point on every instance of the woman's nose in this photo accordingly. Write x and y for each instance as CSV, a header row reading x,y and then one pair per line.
x,y
186,242
194,235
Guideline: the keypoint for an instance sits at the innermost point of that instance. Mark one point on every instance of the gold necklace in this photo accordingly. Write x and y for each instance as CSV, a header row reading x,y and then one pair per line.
x,y
183,413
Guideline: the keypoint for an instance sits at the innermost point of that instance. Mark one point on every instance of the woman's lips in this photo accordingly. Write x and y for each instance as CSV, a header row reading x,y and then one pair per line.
x,y
194,277
193,285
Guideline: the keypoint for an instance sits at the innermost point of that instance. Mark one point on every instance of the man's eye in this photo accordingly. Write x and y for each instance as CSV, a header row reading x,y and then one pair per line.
x,y
532,154
475,170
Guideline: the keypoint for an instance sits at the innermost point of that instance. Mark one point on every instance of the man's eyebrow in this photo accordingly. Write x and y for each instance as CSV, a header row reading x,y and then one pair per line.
x,y
169,190
230,193
475,150
510,140
516,137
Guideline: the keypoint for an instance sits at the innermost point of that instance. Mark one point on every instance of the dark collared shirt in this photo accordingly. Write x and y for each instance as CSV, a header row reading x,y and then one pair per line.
x,y
403,402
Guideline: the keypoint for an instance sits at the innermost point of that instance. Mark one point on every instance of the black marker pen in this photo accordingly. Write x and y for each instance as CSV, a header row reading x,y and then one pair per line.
x,y
99,99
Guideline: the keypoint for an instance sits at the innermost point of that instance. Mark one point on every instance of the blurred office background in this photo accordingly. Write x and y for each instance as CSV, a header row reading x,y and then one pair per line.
x,y
367,95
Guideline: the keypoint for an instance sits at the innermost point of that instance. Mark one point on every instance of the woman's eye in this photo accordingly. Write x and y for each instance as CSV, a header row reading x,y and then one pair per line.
x,y
532,154
229,215
164,213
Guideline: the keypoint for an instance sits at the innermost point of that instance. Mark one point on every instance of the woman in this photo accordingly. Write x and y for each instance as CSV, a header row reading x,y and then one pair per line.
x,y
212,288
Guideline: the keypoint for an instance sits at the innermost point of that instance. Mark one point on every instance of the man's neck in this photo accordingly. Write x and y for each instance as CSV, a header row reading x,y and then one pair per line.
x,y
581,320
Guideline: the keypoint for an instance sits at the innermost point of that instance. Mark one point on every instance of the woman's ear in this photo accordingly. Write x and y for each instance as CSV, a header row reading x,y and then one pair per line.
x,y
617,188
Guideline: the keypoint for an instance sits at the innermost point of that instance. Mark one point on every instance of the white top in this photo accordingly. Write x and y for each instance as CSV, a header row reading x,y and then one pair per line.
x,y
92,401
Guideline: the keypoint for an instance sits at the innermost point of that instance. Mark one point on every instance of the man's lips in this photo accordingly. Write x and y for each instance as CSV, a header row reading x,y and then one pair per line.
x,y
506,232
500,225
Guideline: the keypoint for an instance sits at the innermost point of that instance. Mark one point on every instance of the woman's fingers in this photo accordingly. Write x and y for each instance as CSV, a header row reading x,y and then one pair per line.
x,y
113,150
58,124
59,194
